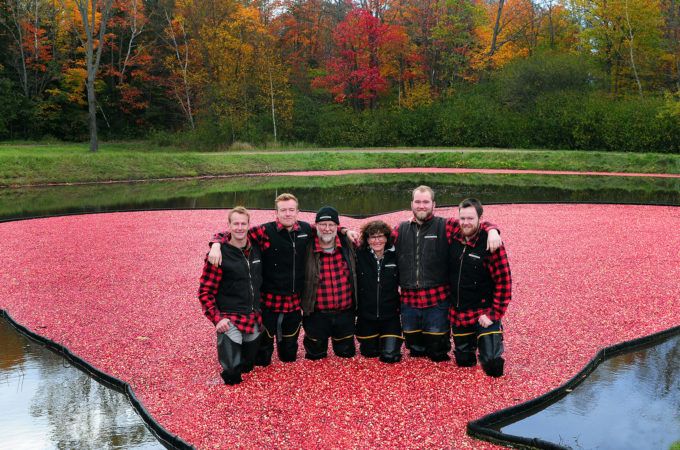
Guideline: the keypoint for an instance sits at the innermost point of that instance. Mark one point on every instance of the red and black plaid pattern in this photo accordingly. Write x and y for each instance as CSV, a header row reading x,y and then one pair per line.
x,y
246,323
424,298
334,292
499,268
281,303
210,280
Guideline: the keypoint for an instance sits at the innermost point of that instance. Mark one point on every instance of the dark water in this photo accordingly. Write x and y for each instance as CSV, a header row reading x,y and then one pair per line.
x,y
47,403
631,401
351,195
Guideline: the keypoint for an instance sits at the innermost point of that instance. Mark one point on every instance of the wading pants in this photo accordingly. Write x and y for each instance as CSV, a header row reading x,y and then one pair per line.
x,y
285,327
489,341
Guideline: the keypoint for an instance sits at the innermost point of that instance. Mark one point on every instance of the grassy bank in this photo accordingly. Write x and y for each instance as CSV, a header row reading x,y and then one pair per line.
x,y
54,163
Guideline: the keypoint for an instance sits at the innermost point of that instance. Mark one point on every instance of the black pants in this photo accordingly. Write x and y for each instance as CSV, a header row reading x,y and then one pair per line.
x,y
321,325
285,328
489,341
380,337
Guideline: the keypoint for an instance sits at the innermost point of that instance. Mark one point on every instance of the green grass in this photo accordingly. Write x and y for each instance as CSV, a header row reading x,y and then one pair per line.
x,y
29,163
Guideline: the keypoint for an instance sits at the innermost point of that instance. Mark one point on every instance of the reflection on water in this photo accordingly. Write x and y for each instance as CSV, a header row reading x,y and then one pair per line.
x,y
47,403
631,401
351,194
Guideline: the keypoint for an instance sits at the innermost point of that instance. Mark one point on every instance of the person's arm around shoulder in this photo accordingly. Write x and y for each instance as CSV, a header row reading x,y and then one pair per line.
x,y
494,240
210,280
499,268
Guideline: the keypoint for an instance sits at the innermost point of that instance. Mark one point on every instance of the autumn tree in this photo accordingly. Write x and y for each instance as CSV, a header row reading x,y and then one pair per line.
x,y
354,74
89,25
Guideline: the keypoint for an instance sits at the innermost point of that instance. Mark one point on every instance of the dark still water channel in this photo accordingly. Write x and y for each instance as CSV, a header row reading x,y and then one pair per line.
x,y
631,401
45,402
351,194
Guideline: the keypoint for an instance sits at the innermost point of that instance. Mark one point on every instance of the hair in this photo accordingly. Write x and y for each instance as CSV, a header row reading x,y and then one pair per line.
x,y
376,227
468,202
423,188
239,210
284,198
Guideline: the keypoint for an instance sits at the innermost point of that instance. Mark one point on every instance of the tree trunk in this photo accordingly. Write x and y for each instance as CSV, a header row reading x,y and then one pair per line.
x,y
92,115
496,27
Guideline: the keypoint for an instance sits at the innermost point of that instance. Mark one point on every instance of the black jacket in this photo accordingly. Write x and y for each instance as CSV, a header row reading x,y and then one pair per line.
x,y
471,283
378,298
284,260
422,252
239,288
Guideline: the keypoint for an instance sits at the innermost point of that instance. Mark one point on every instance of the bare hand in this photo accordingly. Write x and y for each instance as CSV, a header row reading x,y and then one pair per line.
x,y
493,241
352,235
215,255
484,321
223,326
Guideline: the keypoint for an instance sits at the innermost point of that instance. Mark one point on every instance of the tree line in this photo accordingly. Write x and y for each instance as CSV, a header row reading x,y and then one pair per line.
x,y
216,72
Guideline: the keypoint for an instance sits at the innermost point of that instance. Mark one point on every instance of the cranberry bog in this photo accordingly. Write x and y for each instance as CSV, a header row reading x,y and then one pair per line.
x,y
119,290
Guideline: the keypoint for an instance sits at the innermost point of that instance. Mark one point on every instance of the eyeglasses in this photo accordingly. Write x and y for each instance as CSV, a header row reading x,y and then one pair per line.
x,y
378,237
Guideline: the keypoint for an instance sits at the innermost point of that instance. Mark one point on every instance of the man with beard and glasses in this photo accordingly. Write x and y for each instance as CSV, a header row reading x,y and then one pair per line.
x,y
283,244
482,288
329,296
422,245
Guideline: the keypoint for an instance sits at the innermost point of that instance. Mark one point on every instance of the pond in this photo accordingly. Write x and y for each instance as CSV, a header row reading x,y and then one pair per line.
x,y
630,401
350,194
45,402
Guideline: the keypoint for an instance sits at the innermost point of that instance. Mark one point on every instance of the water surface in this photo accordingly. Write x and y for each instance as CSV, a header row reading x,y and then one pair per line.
x,y
45,402
631,401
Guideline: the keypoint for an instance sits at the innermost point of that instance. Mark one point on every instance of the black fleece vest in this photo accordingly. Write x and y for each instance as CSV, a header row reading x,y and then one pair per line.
x,y
377,299
239,289
284,260
423,254
471,283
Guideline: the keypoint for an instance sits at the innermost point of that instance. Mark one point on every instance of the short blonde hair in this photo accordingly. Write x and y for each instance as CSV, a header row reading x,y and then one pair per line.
x,y
423,188
284,198
239,210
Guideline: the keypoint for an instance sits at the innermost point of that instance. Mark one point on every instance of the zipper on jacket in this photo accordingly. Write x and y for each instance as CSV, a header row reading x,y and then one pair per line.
x,y
460,272
292,240
417,256
250,283
377,298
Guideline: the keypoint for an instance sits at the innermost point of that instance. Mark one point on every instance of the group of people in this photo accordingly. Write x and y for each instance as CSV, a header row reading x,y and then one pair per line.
x,y
420,282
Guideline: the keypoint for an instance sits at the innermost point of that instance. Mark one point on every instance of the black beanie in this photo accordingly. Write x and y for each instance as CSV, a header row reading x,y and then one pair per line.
x,y
327,213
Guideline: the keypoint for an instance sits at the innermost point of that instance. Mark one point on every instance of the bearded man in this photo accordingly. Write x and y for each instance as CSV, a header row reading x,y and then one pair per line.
x,y
482,288
422,245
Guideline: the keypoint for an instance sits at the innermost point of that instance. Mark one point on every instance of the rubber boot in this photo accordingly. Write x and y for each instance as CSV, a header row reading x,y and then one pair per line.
x,y
288,347
266,349
391,349
229,356
315,349
344,348
369,347
415,344
466,349
437,347
249,351
490,351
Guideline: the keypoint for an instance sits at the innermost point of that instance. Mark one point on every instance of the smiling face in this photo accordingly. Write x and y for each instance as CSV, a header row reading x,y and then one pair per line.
x,y
287,212
238,225
377,243
469,221
326,230
422,205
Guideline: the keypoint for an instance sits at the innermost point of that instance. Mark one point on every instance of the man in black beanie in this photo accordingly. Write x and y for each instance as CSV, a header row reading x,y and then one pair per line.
x,y
329,295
